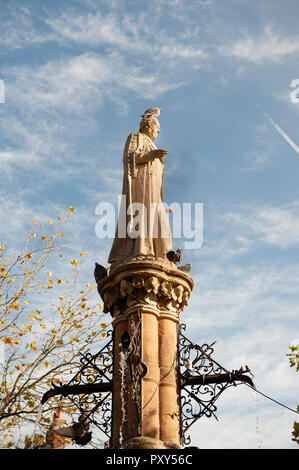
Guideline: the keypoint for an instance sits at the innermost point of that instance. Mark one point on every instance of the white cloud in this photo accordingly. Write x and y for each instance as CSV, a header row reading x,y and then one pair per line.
x,y
15,156
267,47
18,29
234,296
265,224
127,33
92,29
243,228
78,84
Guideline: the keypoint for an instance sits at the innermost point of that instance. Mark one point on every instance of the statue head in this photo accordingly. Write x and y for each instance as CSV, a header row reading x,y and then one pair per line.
x,y
150,126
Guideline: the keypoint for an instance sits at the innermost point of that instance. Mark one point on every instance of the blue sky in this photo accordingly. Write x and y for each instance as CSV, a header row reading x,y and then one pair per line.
x,y
78,75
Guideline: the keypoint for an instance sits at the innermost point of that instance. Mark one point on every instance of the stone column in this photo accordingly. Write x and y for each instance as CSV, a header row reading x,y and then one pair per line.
x,y
145,298
169,386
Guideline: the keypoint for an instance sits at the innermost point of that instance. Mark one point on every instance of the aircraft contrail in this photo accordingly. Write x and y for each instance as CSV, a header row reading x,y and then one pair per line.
x,y
282,133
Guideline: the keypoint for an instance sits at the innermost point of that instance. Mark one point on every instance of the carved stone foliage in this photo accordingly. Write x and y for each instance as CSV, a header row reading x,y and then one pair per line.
x,y
148,290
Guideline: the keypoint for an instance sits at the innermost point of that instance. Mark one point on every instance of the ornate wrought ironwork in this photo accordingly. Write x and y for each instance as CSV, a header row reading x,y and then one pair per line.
x,y
101,414
96,367
91,385
206,378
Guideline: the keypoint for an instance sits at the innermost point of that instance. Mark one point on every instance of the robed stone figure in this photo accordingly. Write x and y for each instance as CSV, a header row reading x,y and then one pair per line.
x,y
143,229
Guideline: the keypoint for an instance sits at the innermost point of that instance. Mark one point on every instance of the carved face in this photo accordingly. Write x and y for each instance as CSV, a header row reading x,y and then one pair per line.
x,y
155,131
151,128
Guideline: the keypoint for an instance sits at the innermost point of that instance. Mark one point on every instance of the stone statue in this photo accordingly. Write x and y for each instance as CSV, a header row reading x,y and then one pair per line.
x,y
143,228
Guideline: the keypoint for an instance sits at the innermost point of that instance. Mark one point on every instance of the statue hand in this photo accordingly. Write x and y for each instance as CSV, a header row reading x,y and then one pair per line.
x,y
160,153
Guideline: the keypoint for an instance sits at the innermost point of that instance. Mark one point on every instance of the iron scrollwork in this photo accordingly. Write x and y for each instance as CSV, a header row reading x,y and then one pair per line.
x,y
202,381
91,385
96,369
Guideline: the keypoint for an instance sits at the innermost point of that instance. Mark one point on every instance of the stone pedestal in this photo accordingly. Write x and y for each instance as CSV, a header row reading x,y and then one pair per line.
x,y
145,298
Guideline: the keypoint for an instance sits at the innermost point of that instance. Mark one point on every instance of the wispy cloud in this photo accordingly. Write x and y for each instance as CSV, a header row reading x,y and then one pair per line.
x,y
265,224
19,30
92,29
239,296
128,33
269,46
241,229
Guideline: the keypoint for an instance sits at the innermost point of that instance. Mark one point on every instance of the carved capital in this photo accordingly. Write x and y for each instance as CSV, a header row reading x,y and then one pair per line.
x,y
145,282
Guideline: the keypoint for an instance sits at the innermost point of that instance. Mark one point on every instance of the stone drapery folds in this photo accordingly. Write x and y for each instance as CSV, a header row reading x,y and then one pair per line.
x,y
143,228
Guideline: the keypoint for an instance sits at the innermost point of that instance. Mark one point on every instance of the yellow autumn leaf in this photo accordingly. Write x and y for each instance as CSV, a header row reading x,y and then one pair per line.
x,y
72,209
83,253
47,364
7,340
42,237
74,262
50,274
61,235
59,281
49,222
